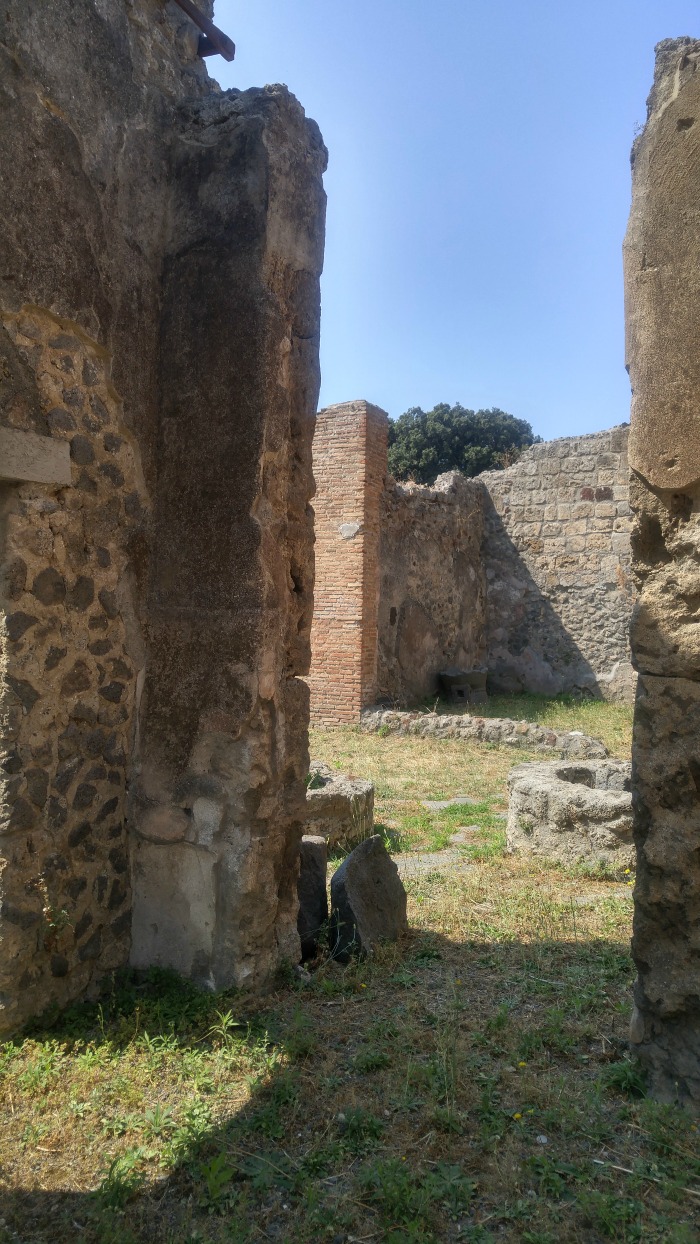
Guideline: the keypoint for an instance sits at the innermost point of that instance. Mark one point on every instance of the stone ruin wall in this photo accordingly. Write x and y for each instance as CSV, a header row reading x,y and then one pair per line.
x,y
70,668
525,570
557,563
662,292
159,319
431,584
349,462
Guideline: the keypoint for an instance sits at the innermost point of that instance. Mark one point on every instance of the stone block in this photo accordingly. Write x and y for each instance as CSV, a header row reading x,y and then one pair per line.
x,y
311,892
26,456
338,808
368,901
573,813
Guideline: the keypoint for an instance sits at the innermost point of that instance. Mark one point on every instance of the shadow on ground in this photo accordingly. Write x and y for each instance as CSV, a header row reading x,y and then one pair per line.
x,y
400,1099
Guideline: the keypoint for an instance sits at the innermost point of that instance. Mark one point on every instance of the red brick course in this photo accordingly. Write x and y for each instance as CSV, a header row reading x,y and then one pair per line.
x,y
350,465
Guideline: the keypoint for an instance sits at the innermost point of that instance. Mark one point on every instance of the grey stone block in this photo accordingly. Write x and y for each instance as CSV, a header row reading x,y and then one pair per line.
x,y
368,901
311,890
340,808
576,812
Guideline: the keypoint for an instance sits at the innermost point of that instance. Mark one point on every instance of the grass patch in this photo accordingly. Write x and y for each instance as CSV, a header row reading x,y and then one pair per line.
x,y
472,1083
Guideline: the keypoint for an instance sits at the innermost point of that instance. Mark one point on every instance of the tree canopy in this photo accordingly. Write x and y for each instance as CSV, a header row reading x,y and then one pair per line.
x,y
423,444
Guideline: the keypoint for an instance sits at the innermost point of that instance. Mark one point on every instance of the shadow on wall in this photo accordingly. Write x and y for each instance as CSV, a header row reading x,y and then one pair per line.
x,y
529,648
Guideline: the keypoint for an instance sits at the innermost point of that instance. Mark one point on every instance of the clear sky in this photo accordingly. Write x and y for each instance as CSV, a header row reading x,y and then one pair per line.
x,y
478,188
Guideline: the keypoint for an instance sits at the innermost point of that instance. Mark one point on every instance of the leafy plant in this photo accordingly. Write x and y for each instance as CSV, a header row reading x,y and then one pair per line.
x,y
626,1076
217,1196
122,1180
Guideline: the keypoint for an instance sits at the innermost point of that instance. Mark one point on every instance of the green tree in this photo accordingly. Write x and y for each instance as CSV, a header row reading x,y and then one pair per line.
x,y
423,444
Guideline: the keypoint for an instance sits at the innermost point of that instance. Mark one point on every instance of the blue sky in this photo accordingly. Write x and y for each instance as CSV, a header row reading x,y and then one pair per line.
x,y
478,189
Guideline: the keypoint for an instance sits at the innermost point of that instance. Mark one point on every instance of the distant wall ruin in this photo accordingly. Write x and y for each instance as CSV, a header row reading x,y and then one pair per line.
x,y
557,561
431,584
159,317
662,288
525,570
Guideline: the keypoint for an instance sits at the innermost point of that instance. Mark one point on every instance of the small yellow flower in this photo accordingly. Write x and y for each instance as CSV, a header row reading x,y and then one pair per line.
x,y
522,1064
363,986
628,871
517,1115
630,883
403,1159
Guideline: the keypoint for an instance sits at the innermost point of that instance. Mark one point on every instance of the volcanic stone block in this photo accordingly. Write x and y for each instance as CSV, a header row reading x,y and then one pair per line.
x,y
311,889
368,901
338,807
573,813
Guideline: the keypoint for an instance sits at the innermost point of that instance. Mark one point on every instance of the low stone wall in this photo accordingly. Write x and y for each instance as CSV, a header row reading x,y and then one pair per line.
x,y
524,734
431,584
556,554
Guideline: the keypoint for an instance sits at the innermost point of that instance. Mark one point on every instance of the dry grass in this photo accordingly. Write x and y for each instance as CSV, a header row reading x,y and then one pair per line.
x,y
472,1083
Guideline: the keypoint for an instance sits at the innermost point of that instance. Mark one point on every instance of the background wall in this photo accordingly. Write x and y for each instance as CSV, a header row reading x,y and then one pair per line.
x,y
431,584
556,555
525,570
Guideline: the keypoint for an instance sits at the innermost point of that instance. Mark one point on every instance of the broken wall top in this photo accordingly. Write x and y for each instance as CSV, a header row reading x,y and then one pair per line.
x,y
662,277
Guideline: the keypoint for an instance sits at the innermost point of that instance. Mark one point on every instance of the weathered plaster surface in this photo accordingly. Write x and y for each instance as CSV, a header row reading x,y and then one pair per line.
x,y
663,276
662,266
431,584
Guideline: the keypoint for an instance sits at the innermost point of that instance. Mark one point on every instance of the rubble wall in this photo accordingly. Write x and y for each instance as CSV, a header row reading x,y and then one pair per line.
x,y
349,456
556,556
431,585
159,303
662,285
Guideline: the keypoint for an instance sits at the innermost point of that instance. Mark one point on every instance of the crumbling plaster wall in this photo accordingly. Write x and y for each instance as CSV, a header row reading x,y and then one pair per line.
x,y
557,561
431,584
662,280
160,256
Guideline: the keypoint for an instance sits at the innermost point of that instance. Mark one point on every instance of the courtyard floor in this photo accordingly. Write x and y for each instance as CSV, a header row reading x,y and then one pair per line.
x,y
473,1083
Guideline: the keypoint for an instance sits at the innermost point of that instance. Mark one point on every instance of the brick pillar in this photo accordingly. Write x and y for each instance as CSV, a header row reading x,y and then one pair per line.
x,y
350,464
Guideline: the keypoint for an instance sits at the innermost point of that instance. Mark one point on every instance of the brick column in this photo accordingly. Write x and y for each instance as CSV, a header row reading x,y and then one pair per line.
x,y
350,464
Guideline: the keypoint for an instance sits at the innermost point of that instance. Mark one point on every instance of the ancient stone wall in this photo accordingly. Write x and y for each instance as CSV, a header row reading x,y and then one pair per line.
x,y
525,570
431,584
557,561
349,457
662,279
160,256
